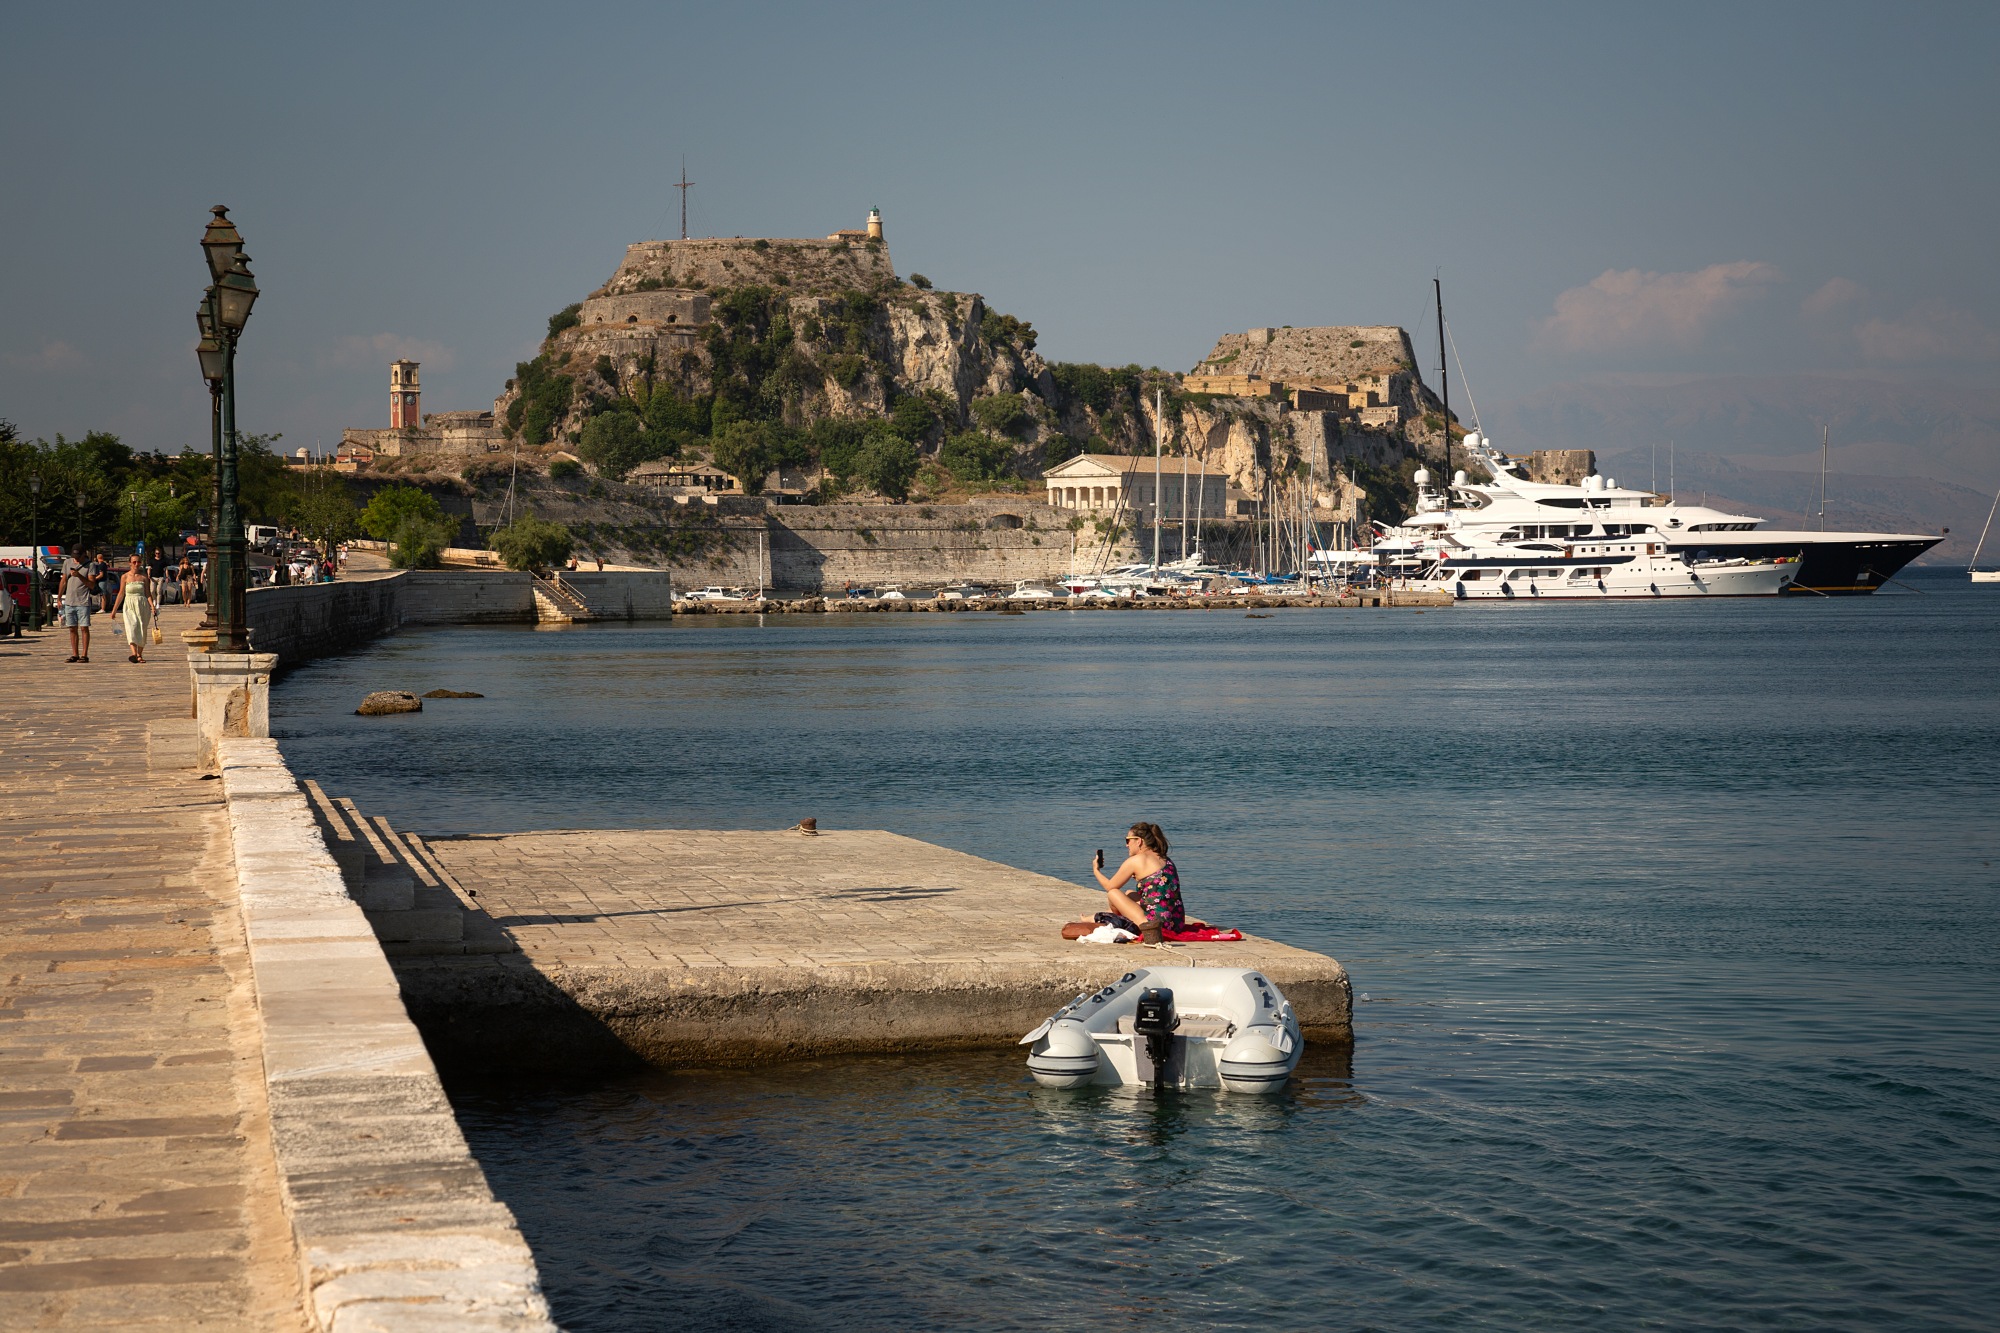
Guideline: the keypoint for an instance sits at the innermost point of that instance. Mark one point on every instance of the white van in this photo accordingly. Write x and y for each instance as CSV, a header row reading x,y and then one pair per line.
x,y
261,537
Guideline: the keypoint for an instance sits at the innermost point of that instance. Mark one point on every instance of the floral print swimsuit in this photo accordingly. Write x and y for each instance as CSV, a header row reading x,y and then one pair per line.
x,y
1160,894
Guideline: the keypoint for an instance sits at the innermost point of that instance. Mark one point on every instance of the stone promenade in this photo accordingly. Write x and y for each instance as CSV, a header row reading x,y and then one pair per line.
x,y
703,946
137,1183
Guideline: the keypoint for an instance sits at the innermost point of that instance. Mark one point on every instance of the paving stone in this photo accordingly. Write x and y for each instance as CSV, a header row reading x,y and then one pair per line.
x,y
136,1179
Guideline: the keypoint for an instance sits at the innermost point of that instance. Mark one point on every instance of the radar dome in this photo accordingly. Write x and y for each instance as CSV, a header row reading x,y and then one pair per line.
x,y
1423,477
1611,483
1458,477
1474,441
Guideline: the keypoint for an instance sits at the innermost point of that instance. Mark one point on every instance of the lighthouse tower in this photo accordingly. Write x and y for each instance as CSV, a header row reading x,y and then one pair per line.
x,y
874,224
403,396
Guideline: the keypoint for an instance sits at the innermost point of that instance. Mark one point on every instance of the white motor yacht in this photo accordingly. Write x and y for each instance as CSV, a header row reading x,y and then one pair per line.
x,y
1511,509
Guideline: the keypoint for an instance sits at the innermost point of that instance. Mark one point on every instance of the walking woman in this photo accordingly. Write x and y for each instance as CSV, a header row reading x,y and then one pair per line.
x,y
138,599
1155,900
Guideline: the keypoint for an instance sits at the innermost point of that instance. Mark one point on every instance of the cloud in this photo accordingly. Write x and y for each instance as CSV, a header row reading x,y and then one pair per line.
x,y
367,351
55,357
1835,295
1625,309
1933,331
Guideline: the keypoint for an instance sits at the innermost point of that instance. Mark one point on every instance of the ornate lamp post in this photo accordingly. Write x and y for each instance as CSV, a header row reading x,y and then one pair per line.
x,y
35,552
225,310
80,498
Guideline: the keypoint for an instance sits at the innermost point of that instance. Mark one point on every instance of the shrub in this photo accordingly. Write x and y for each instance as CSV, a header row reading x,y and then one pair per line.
x,y
532,543
612,443
1059,448
566,318
544,399
913,417
920,282
1003,330
846,369
975,456
419,542
564,468
888,464
392,506
1080,382
746,451
1003,413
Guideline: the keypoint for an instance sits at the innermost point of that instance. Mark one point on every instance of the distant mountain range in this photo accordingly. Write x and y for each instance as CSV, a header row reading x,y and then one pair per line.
x,y
1905,456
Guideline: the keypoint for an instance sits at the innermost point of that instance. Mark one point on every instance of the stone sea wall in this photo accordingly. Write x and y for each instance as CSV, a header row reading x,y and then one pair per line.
x,y
316,620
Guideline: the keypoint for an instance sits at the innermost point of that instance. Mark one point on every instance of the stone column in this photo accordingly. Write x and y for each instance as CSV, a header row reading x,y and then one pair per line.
x,y
232,698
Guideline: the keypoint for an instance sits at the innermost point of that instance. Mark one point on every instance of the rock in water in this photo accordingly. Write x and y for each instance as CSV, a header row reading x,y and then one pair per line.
x,y
453,694
390,701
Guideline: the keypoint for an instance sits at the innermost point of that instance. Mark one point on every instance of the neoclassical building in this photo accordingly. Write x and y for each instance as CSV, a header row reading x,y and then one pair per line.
x,y
1108,482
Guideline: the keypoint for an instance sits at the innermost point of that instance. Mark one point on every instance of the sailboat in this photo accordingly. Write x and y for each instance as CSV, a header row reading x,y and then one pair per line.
x,y
1972,566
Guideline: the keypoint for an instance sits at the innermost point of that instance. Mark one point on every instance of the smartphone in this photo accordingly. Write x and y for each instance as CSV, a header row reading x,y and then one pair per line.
x,y
1100,858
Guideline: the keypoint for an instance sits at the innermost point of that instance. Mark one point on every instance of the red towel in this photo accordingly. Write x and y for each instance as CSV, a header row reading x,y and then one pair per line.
x,y
1199,932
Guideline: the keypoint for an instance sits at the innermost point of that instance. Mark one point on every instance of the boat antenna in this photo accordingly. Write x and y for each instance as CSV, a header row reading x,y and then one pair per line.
x,y
1822,478
1444,383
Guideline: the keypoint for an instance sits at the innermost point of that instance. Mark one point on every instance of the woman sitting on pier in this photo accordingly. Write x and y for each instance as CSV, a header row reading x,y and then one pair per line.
x,y
1155,901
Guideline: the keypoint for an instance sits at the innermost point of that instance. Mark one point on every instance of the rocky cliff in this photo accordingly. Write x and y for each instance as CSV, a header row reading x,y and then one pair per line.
x,y
689,339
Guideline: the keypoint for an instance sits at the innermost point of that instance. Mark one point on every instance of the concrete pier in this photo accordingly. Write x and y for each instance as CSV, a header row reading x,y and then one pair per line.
x,y
707,947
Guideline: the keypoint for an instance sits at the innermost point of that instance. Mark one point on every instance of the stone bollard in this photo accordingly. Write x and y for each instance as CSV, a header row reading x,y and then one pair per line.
x,y
232,700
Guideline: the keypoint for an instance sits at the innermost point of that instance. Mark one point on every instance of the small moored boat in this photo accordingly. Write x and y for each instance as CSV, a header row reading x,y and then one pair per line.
x,y
1171,1027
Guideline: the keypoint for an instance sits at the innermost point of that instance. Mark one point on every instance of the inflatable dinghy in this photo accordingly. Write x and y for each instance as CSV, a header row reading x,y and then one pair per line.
x,y
1171,1027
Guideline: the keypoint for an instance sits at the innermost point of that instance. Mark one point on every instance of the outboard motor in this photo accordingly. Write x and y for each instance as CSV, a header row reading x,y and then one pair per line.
x,y
1155,1020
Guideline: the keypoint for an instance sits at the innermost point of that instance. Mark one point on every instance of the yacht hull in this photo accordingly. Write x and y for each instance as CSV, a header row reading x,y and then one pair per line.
x,y
1831,567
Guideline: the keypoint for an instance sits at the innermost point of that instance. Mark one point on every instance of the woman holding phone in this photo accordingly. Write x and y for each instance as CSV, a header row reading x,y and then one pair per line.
x,y
1155,899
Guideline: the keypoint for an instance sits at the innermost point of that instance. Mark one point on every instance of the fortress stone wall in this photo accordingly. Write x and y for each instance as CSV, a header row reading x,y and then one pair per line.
x,y
671,307
802,265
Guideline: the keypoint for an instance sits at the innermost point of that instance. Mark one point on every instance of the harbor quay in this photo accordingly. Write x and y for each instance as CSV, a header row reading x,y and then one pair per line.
x,y
229,990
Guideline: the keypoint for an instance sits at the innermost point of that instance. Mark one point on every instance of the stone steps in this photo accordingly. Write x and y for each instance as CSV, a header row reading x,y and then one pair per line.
x,y
411,904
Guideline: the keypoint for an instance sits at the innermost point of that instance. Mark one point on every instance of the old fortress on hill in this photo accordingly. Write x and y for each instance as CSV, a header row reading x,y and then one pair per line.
x,y
656,308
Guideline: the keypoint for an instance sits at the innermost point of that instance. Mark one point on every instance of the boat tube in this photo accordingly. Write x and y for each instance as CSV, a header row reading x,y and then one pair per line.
x,y
1171,1027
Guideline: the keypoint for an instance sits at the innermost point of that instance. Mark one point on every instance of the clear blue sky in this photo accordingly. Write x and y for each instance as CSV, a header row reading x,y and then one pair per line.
x,y
1606,188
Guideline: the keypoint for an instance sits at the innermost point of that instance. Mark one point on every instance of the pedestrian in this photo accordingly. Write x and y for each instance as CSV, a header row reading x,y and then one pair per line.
x,y
99,571
137,598
156,564
78,593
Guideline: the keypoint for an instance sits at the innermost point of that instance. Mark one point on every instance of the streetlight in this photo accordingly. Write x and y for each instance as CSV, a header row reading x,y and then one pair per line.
x,y
225,310
35,551
132,508
80,498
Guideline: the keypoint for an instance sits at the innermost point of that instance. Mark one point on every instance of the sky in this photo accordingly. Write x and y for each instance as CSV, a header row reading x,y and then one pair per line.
x,y
1606,190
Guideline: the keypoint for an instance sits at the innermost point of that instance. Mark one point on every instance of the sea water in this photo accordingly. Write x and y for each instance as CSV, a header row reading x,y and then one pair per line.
x,y
1673,933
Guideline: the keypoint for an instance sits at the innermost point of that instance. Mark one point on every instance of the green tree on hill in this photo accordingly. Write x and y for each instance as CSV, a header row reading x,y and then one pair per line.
x,y
532,543
412,522
887,464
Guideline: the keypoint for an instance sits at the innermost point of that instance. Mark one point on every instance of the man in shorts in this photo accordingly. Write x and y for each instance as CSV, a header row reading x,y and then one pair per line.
x,y
76,601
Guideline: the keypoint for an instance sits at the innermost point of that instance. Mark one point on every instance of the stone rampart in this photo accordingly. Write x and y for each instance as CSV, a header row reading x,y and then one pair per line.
x,y
319,619
467,597
822,548
395,1225
653,307
804,265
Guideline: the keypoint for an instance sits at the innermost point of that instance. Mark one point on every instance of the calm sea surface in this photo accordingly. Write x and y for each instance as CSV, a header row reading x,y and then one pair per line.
x,y
1675,930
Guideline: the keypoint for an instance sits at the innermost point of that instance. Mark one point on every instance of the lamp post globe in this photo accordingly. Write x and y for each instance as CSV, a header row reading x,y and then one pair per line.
x,y
220,243
235,293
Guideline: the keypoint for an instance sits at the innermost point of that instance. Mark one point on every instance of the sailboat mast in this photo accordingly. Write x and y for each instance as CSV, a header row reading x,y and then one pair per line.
x,y
1822,478
1159,436
1444,383
1980,545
